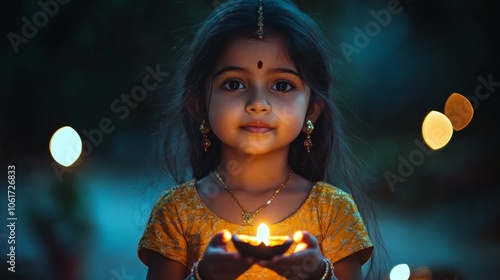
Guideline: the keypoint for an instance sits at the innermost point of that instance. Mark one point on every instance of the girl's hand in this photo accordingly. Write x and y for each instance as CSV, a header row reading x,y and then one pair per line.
x,y
217,263
305,263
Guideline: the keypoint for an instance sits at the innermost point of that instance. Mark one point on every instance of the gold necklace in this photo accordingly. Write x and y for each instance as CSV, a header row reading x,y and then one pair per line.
x,y
248,217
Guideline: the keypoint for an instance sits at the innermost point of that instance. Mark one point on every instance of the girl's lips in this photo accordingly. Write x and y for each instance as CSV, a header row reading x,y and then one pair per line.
x,y
256,129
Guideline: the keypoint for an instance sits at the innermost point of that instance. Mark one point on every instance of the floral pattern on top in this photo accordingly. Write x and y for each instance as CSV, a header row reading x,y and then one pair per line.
x,y
181,225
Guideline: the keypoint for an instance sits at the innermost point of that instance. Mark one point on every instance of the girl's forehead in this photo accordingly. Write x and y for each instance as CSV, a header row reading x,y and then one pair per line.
x,y
249,51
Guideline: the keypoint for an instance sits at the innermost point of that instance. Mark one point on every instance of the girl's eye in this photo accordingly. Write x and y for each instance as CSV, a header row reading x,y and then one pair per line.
x,y
282,86
233,85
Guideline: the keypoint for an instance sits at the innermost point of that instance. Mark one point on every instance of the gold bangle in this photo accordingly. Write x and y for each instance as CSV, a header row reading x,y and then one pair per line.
x,y
194,271
328,269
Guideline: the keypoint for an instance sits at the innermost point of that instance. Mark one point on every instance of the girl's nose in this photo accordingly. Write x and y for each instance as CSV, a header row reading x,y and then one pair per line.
x,y
258,102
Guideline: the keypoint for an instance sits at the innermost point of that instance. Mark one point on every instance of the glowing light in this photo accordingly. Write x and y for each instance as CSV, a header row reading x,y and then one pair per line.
x,y
423,273
459,110
226,235
437,130
263,234
297,236
65,146
400,272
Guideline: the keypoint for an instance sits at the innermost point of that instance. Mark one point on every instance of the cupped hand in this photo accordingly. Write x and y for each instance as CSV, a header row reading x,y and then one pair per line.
x,y
305,263
217,263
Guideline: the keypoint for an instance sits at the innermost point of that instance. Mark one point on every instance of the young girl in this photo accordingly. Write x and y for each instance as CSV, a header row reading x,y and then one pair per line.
x,y
260,141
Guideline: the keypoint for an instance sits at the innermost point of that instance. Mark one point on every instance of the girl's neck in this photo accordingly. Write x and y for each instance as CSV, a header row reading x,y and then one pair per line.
x,y
254,173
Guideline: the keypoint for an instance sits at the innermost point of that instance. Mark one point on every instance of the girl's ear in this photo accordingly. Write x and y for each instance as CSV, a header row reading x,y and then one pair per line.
x,y
196,107
313,112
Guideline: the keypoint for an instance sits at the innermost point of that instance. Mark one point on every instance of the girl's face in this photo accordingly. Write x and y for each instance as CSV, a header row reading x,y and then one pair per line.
x,y
258,102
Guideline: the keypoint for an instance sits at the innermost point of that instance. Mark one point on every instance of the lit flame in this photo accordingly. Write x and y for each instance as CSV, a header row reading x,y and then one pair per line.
x,y
263,234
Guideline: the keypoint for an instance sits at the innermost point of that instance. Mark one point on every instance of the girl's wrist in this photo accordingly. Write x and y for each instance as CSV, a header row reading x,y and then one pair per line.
x,y
324,270
197,273
328,273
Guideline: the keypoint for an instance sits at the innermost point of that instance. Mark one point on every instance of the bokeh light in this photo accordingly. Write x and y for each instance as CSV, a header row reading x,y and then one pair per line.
x,y
400,272
65,146
422,273
437,130
459,110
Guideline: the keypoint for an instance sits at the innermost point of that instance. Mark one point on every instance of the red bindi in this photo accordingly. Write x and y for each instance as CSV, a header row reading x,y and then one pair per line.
x,y
259,64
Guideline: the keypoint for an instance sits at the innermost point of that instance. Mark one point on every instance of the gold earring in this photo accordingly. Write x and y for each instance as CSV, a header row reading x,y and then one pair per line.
x,y
205,142
309,129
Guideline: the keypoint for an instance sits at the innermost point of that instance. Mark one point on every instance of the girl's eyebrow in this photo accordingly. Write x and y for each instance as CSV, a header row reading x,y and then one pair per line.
x,y
239,69
228,68
284,70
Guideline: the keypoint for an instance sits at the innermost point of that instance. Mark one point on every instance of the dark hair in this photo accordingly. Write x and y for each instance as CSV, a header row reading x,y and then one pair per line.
x,y
331,158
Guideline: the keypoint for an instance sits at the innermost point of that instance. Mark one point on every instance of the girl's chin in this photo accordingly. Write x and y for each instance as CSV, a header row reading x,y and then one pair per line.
x,y
257,149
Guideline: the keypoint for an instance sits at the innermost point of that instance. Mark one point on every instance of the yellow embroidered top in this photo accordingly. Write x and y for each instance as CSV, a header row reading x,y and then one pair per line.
x,y
181,226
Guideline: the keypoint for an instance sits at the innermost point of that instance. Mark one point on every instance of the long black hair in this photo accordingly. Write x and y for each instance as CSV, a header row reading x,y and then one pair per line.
x,y
330,159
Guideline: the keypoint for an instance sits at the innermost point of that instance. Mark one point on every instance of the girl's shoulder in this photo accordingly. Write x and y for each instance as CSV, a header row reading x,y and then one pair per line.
x,y
332,201
323,190
178,192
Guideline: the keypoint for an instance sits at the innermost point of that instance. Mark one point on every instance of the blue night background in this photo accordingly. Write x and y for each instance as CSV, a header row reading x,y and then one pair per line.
x,y
77,63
